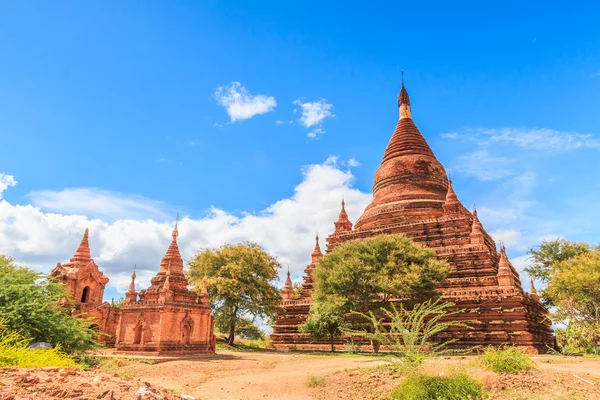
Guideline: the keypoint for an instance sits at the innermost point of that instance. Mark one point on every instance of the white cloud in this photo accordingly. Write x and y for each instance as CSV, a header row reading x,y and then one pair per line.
x,y
449,135
510,237
353,162
541,138
6,181
317,131
40,239
240,104
482,165
314,113
98,203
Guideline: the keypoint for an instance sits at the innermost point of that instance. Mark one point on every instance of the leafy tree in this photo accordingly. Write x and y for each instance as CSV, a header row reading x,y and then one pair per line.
x,y
367,274
574,288
325,321
29,304
240,281
245,327
378,269
546,257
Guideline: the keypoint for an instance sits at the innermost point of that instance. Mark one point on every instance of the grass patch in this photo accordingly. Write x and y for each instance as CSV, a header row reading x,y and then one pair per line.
x,y
508,359
116,366
314,380
14,352
457,386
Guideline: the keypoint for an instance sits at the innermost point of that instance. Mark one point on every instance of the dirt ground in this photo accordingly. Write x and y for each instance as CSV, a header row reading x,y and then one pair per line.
x,y
264,375
261,375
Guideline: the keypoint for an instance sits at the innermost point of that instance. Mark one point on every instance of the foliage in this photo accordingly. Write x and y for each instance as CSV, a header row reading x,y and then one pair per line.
x,y
297,289
358,273
244,328
457,386
314,380
546,257
324,322
352,346
14,352
29,302
508,359
410,334
575,291
240,281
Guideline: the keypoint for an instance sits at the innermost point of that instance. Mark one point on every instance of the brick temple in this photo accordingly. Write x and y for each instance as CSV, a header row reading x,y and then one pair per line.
x,y
413,196
165,317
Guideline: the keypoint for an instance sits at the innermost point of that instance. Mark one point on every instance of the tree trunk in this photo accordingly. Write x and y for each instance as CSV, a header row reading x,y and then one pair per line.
x,y
231,337
332,345
375,345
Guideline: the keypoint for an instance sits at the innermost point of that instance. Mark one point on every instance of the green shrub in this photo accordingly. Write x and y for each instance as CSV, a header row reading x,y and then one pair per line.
x,y
457,386
508,359
314,380
14,352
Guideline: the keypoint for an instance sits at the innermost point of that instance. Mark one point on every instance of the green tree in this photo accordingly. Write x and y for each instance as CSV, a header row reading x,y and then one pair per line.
x,y
240,281
546,257
362,275
325,321
574,287
378,269
29,304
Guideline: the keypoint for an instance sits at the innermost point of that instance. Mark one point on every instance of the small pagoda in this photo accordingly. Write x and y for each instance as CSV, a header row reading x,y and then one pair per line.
x,y
166,317
86,283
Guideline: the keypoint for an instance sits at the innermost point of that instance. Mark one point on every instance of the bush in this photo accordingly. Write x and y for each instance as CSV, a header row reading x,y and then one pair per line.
x,y
457,386
508,359
14,352
29,304
314,380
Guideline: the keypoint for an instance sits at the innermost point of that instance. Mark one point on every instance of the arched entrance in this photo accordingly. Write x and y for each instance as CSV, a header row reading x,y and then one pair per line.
x,y
137,334
85,295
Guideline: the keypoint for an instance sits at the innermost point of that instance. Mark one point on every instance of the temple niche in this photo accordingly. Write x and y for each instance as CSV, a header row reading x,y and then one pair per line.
x,y
166,317
413,196
85,283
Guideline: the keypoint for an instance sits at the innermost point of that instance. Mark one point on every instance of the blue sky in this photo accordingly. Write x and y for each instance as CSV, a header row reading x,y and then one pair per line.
x,y
118,115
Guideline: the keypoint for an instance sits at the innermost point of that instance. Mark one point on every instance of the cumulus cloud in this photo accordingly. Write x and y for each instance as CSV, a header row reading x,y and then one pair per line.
x,y
39,237
510,237
5,182
240,104
353,162
313,114
482,165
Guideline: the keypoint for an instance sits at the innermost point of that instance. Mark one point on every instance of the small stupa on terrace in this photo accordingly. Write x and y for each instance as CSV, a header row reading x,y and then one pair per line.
x,y
167,316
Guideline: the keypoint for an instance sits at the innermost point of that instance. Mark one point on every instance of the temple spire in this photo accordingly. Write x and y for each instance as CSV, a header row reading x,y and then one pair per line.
x,y
287,292
403,101
172,260
131,294
506,277
83,255
476,236
532,290
343,223
316,254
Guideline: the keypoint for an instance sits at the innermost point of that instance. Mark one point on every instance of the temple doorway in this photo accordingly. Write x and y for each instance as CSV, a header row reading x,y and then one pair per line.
x,y
137,334
85,295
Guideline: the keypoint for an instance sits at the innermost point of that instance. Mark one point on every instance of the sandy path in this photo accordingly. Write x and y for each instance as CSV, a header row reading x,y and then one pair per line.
x,y
247,376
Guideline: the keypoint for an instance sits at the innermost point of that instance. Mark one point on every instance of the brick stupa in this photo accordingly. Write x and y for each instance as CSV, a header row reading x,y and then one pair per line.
x,y
167,317
86,283
412,196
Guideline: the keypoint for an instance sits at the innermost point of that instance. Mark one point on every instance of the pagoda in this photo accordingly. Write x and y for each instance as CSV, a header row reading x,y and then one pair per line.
x,y
166,317
413,196
86,283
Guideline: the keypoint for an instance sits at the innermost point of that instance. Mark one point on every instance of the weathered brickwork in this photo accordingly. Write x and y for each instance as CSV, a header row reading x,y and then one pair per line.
x,y
413,196
166,317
